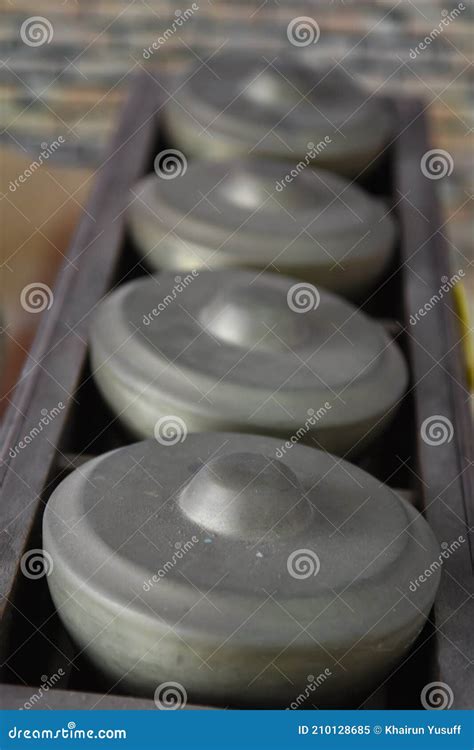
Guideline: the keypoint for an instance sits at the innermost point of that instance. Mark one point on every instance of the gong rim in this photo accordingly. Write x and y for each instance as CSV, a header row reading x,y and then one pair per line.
x,y
368,623
236,107
232,352
315,225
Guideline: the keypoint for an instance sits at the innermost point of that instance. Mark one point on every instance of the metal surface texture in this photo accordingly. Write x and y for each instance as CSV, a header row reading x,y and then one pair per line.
x,y
306,562
242,104
308,223
31,637
231,350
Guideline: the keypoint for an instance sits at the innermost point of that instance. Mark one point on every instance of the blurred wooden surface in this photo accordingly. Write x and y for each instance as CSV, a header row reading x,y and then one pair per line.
x,y
37,220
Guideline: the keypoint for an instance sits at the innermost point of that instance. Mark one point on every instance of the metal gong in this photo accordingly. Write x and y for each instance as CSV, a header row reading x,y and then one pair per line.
x,y
246,352
241,104
307,223
235,577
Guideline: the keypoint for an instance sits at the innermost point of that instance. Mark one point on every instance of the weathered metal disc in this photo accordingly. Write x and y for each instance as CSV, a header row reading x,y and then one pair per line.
x,y
231,350
213,565
313,225
243,104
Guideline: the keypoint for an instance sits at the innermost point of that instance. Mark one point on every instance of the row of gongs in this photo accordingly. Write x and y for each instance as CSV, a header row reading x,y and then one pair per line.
x,y
254,351
232,566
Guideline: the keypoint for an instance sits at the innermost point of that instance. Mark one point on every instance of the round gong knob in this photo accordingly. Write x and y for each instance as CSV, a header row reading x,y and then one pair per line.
x,y
212,552
239,316
246,496
244,104
268,89
245,352
305,222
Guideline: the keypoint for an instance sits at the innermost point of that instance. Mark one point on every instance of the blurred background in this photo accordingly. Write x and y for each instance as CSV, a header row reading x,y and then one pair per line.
x,y
65,67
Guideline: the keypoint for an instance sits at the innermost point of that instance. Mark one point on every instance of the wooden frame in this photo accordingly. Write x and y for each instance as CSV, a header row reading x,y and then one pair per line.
x,y
56,365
